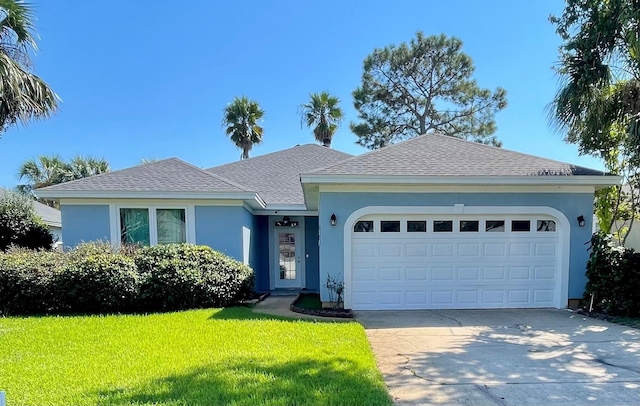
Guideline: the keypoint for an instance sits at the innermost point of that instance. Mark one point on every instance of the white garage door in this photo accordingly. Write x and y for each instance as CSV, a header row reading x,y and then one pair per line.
x,y
454,262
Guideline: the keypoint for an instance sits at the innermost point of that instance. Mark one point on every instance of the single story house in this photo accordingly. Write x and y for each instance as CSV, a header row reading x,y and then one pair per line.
x,y
434,222
51,217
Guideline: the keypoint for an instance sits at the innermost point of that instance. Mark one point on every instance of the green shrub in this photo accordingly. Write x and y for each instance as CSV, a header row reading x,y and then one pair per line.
x,y
181,276
20,225
26,281
96,278
97,283
613,277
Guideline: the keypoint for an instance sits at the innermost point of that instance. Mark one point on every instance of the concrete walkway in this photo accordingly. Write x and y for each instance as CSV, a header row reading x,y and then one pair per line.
x,y
278,305
504,357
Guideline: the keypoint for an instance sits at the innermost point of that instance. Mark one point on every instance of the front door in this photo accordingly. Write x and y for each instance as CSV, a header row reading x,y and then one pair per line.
x,y
289,257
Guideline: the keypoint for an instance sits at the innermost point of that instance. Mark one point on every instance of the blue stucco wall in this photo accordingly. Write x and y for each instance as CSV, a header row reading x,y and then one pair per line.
x,y
312,264
83,223
220,227
343,204
260,252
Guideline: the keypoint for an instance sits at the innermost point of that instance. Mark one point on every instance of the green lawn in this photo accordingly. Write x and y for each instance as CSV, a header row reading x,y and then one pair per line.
x,y
201,357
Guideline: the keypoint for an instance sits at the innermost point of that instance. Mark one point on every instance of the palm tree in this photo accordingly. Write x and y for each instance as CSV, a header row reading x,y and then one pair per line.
x,y
83,167
241,121
323,114
42,171
23,95
50,170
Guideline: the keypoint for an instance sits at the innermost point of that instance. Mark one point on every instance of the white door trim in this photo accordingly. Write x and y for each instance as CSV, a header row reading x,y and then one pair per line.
x,y
564,239
273,250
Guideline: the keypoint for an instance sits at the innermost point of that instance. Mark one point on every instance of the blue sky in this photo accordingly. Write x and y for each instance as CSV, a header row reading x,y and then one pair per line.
x,y
151,78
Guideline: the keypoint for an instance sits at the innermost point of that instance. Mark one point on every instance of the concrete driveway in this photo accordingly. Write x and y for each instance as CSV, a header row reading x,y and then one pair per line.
x,y
504,357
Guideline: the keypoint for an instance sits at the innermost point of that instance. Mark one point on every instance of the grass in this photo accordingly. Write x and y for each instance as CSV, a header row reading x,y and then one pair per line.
x,y
309,301
627,321
200,357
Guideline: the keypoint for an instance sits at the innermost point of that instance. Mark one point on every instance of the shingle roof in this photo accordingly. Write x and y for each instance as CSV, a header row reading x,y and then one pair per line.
x,y
276,176
441,155
167,175
50,215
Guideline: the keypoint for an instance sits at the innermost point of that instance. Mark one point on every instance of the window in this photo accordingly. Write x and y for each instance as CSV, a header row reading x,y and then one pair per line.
x,y
520,225
134,226
546,225
363,227
467,226
390,226
442,226
151,226
171,226
494,226
416,226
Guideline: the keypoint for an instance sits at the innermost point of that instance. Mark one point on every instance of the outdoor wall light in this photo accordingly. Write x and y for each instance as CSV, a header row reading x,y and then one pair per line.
x,y
581,221
334,220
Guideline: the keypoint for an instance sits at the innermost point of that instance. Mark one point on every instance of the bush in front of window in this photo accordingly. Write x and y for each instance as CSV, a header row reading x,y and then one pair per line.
x,y
97,283
613,274
20,225
96,278
26,281
183,276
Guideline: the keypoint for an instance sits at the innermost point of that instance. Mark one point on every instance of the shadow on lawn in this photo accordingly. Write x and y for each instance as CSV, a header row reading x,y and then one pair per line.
x,y
244,313
251,382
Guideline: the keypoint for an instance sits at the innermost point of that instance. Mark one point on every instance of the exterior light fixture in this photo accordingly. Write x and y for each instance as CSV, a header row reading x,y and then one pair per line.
x,y
334,220
581,221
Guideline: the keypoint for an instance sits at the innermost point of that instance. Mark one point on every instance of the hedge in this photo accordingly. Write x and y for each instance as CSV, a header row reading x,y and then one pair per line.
x,y
95,278
613,274
179,276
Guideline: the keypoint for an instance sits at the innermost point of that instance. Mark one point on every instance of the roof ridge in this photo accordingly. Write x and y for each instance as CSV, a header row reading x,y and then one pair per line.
x,y
273,153
449,138
216,176
510,151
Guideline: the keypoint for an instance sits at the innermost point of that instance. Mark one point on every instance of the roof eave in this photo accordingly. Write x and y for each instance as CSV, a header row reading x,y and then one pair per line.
x,y
253,199
598,181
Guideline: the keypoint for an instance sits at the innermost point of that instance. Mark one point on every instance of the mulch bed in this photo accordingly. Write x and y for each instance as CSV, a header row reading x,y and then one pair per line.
x,y
341,313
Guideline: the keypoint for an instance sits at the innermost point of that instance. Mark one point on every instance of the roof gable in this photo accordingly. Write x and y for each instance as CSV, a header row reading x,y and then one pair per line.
x,y
167,175
442,155
276,176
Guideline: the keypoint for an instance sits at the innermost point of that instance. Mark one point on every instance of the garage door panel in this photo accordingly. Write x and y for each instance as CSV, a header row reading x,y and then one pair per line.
x,y
466,270
494,249
442,297
442,274
492,273
545,272
416,298
520,249
468,274
545,249
364,250
364,274
469,249
390,250
415,274
443,249
390,274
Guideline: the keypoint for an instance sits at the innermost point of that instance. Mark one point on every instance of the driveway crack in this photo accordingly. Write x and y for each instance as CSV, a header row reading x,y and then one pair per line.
x,y
603,362
485,391
448,318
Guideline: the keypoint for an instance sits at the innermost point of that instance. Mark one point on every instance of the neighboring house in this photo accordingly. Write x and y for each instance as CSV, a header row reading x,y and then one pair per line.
x,y
51,217
430,223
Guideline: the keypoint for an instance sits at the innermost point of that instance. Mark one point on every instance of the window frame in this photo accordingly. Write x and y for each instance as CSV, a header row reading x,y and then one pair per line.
x,y
153,220
399,224
452,222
